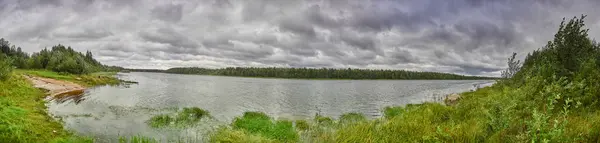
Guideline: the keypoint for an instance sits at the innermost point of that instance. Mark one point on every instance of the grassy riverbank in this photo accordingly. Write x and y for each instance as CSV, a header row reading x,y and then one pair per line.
x,y
23,114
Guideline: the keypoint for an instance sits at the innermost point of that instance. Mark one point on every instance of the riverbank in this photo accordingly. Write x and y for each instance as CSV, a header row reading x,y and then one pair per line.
x,y
23,114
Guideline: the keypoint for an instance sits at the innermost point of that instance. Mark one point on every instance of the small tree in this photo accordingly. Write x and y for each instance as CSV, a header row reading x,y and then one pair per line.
x,y
5,66
513,67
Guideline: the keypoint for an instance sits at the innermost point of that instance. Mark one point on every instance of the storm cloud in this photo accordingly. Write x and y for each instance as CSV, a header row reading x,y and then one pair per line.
x,y
471,37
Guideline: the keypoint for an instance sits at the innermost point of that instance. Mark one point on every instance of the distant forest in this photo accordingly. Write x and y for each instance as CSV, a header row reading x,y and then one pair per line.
x,y
314,73
58,58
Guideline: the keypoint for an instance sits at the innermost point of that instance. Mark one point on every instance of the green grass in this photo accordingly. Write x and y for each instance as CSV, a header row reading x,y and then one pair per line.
x,y
23,116
183,118
262,126
352,118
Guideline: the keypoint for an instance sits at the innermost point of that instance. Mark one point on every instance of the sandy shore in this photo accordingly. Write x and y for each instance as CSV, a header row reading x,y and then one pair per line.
x,y
55,88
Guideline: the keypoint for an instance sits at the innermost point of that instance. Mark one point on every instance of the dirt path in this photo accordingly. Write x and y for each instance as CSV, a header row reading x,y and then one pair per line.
x,y
55,88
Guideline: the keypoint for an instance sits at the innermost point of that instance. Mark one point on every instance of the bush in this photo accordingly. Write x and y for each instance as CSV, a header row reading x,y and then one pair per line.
x,y
5,67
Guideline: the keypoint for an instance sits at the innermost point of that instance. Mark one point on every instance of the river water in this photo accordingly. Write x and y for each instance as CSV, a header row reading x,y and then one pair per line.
x,y
108,112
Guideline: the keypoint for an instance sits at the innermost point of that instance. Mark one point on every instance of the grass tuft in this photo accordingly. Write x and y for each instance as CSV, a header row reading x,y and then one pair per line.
x,y
185,117
261,124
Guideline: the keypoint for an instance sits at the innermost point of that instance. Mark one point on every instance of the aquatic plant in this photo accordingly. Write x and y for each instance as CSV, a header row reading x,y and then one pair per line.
x,y
302,125
351,118
323,120
390,112
261,124
185,117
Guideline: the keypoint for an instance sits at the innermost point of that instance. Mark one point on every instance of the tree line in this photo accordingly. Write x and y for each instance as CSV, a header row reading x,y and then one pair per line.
x,y
313,73
58,58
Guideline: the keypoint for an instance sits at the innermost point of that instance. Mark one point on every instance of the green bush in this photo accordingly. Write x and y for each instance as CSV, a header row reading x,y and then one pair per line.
x,y
5,67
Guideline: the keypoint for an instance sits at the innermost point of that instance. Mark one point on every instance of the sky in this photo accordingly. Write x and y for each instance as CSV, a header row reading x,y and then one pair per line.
x,y
471,37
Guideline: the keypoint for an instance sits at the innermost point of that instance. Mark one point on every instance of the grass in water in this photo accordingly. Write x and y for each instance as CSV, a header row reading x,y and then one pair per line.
x,y
257,127
187,116
352,118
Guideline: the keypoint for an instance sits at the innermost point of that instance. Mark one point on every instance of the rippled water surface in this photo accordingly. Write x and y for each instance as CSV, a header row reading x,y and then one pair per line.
x,y
109,112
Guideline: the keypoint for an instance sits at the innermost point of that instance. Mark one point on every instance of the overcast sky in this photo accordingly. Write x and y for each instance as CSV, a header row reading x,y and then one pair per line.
x,y
471,37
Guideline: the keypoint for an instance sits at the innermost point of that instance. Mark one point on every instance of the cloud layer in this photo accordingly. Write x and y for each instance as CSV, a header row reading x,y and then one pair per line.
x,y
471,37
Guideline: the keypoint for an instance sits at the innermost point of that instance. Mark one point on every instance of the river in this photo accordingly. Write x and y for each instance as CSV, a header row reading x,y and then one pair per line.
x,y
107,112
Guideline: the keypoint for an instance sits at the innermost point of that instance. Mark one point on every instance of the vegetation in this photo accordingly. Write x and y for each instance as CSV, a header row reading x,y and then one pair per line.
x,y
314,73
260,124
58,59
23,116
5,67
552,97
187,116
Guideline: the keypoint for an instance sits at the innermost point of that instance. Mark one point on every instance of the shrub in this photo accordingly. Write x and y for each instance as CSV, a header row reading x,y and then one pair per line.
x,y
5,67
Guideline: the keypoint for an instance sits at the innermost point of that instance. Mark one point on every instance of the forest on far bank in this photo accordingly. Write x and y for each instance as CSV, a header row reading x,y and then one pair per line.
x,y
318,73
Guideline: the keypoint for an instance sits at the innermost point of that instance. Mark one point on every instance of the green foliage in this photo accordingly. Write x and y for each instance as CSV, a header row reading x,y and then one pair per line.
x,y
323,120
260,123
302,125
5,67
58,59
391,112
160,121
137,139
315,73
352,118
226,135
185,117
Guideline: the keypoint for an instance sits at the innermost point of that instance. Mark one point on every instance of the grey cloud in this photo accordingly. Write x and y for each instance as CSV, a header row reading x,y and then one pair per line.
x,y
87,33
316,16
169,12
168,36
297,26
359,41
